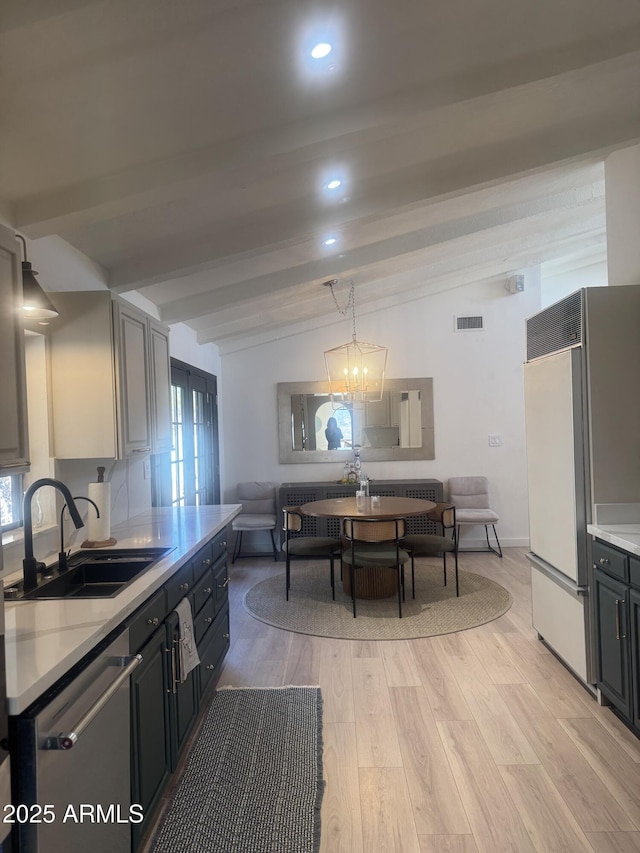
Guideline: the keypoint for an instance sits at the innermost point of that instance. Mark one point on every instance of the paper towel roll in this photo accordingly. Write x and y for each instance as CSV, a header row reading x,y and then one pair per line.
x,y
99,529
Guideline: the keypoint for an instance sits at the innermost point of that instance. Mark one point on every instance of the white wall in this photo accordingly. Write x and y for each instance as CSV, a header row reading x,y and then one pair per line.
x,y
478,390
185,347
622,185
557,286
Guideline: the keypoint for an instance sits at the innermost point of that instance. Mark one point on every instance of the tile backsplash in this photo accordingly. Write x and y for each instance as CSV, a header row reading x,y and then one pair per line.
x,y
130,495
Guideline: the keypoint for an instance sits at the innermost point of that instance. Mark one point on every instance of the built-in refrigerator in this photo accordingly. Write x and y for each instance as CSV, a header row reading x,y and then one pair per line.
x,y
582,413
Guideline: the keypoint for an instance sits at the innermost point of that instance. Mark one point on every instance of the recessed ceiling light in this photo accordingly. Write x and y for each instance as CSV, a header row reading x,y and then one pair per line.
x,y
330,241
334,184
321,50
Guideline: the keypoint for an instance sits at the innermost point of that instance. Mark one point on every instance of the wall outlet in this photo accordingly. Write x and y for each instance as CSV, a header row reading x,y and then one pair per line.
x,y
495,440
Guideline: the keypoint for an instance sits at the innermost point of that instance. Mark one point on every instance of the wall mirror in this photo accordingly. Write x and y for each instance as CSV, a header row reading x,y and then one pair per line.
x,y
399,427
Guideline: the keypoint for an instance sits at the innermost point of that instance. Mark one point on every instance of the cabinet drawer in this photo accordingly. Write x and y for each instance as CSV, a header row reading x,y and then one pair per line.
x,y
143,623
610,560
203,620
202,561
179,585
219,545
220,581
634,571
214,649
202,591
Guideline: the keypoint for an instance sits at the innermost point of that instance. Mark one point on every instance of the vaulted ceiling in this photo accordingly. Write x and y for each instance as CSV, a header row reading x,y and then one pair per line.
x,y
186,145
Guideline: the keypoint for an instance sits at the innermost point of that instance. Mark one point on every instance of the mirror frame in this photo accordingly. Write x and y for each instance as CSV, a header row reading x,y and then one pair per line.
x,y
367,454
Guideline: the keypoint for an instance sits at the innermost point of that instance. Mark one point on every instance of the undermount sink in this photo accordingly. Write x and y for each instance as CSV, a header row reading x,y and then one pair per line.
x,y
92,574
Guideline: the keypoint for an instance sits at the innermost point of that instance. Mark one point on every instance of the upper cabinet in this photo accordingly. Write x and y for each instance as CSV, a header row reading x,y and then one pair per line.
x,y
14,439
110,379
160,374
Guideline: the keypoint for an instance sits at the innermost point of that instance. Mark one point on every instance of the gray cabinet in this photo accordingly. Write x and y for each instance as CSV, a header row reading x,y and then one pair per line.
x,y
634,620
159,387
132,379
612,640
616,588
296,494
109,372
14,439
164,708
150,729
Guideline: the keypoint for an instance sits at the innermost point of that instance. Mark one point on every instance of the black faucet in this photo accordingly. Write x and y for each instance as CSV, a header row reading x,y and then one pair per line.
x,y
30,565
62,555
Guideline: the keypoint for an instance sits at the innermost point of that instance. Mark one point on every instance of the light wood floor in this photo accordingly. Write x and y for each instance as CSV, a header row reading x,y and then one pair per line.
x,y
476,741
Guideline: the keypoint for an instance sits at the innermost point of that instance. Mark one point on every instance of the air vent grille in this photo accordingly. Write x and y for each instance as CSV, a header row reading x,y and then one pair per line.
x,y
470,323
557,327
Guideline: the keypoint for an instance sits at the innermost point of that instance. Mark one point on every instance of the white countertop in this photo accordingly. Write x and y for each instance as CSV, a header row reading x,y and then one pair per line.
x,y
625,536
44,639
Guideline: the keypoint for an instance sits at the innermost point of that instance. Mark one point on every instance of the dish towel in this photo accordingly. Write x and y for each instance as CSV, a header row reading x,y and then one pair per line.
x,y
187,651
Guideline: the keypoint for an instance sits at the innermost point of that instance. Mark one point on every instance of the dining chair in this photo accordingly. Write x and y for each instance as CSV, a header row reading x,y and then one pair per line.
x,y
298,547
258,513
470,496
375,543
434,545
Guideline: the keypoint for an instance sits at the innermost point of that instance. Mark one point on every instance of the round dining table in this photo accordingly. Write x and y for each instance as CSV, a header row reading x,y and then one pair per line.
x,y
371,507
375,582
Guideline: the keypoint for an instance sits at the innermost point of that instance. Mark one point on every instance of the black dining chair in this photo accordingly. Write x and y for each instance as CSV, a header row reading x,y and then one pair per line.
x,y
297,547
434,545
375,543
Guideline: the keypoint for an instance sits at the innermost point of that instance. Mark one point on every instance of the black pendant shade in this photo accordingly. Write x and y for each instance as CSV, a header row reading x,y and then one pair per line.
x,y
35,302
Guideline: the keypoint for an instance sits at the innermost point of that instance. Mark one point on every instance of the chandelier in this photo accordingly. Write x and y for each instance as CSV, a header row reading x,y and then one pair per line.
x,y
356,369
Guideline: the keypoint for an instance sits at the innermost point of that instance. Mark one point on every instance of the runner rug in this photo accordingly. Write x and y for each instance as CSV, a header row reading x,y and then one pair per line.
x,y
253,781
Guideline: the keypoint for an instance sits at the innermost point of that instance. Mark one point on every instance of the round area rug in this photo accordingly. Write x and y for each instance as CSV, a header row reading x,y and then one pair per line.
x,y
435,609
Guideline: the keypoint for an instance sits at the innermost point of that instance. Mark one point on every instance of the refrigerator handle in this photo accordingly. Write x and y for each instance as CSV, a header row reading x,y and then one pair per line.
x,y
557,576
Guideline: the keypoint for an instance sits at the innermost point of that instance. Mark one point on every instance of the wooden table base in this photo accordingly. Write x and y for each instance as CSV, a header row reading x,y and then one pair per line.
x,y
376,582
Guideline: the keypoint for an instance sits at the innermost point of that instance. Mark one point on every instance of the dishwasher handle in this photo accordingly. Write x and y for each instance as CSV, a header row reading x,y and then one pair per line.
x,y
66,741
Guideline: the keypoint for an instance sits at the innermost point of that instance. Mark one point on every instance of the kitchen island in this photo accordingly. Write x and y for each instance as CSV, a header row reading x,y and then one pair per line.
x,y
45,639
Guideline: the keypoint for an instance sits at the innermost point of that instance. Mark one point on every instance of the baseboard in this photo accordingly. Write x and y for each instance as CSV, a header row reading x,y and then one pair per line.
x,y
480,543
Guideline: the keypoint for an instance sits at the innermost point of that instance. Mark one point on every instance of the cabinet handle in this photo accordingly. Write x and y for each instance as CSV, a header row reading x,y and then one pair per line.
x,y
140,449
208,620
223,585
604,561
207,562
226,636
174,677
154,621
184,586
619,636
223,544
207,590
210,666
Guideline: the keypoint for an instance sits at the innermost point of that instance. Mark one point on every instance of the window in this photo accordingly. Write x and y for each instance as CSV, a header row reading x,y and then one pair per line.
x,y
11,501
189,476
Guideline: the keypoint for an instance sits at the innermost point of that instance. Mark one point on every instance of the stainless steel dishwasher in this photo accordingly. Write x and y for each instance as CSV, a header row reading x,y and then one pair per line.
x,y
72,791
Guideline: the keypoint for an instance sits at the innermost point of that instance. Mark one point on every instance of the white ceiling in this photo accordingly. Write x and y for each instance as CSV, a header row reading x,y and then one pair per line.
x,y
183,144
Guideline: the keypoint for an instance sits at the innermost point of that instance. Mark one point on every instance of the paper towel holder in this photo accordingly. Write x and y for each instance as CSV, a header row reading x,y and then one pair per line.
x,y
102,543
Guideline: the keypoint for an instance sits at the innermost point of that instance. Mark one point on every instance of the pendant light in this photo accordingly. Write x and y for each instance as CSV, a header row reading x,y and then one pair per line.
x,y
35,302
356,369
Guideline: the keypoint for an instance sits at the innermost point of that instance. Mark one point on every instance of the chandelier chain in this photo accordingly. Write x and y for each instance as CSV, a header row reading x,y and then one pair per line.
x,y
351,303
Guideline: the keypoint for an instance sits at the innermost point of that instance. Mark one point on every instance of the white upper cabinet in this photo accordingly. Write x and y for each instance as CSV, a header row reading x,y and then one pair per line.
x,y
110,379
160,365
14,437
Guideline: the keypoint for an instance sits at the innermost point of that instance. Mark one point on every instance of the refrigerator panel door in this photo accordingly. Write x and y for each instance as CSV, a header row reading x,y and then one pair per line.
x,y
560,619
554,460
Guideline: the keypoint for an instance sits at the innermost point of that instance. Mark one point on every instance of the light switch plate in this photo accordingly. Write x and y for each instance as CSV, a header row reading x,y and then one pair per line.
x,y
495,440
